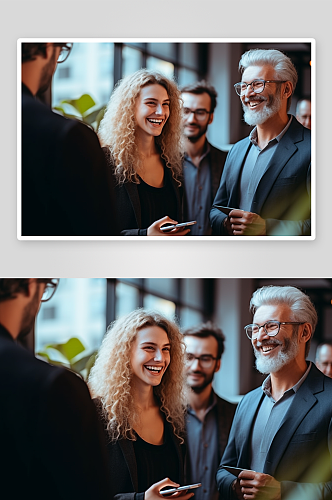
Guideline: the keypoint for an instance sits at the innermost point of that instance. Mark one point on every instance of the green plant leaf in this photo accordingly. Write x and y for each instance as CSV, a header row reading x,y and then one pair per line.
x,y
83,103
69,349
69,109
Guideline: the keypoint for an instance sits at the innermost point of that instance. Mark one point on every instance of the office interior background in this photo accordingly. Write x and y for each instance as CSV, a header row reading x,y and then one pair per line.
x,y
95,67
83,308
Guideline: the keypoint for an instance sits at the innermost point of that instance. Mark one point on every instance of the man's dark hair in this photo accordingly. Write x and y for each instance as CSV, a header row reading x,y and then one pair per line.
x,y
206,330
200,88
9,287
31,50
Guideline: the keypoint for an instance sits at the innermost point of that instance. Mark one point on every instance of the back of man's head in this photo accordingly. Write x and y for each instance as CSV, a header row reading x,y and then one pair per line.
x,y
206,330
11,287
202,87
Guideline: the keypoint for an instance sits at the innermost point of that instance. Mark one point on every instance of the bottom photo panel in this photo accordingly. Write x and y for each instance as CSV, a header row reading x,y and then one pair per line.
x,y
145,388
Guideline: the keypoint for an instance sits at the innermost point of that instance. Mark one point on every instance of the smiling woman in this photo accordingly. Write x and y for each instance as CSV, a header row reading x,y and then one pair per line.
x,y
138,384
141,135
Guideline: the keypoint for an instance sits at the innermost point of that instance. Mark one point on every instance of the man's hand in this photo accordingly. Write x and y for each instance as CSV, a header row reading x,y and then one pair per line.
x,y
256,485
246,223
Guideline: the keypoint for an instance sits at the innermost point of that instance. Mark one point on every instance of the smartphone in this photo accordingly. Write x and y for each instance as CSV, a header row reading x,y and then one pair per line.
x,y
180,488
182,224
224,210
233,470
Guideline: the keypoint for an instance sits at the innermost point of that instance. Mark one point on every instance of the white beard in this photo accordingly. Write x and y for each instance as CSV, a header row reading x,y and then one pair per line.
x,y
271,107
287,353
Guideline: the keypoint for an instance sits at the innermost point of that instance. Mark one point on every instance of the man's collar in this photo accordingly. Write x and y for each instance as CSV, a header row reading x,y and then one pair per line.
x,y
5,333
266,385
253,134
206,151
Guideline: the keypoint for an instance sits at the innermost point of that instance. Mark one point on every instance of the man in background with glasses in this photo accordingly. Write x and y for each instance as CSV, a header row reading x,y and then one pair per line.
x,y
51,440
203,163
266,179
209,417
282,432
65,185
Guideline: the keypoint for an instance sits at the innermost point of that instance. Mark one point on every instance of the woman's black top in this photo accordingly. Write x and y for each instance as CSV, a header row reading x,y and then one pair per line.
x,y
157,202
155,463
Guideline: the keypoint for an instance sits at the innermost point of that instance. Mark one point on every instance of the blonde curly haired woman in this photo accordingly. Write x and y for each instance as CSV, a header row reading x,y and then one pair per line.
x,y
141,136
138,384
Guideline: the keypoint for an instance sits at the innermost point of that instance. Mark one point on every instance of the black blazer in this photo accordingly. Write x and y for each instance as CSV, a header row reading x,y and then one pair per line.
x,y
300,453
51,439
128,207
225,415
282,197
123,466
66,187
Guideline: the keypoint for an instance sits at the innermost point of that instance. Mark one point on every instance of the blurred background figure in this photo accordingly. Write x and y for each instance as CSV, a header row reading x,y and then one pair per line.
x,y
203,163
303,112
138,383
324,359
141,135
209,417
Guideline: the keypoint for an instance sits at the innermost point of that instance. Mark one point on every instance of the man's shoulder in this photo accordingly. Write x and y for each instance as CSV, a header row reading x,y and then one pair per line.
x,y
216,151
225,403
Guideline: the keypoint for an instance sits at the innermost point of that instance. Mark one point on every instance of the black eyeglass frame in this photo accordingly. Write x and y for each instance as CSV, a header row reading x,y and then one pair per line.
x,y
190,361
50,283
65,47
250,85
194,112
279,323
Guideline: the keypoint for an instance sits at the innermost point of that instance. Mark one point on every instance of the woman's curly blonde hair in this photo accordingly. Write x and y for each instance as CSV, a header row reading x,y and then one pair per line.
x,y
111,375
117,128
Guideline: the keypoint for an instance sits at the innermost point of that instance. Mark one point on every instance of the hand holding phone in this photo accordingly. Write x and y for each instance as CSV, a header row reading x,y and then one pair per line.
x,y
233,470
182,225
180,488
224,210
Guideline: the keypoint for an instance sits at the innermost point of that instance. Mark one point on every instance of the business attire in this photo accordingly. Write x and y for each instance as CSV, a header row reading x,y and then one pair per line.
x,y
279,192
139,205
295,450
66,186
51,439
135,465
206,441
200,187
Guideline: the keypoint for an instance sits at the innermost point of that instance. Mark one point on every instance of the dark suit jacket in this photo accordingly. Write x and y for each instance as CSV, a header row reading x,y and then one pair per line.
x,y
128,207
282,197
225,415
123,466
300,454
66,186
51,440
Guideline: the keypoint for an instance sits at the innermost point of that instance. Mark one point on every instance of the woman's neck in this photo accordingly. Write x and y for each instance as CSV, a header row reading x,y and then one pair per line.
x,y
143,396
146,145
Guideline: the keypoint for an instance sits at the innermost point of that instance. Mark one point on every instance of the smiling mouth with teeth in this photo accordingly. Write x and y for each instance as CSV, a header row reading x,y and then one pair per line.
x,y
155,120
153,369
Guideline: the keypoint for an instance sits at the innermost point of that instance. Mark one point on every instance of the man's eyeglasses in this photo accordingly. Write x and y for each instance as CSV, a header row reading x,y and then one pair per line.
x,y
257,86
206,360
271,328
200,114
51,285
65,51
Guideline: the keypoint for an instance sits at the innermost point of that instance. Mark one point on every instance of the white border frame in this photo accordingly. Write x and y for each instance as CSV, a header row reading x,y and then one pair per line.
x,y
312,41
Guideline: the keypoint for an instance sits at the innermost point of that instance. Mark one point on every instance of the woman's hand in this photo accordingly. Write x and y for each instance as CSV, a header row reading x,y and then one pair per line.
x,y
153,492
154,229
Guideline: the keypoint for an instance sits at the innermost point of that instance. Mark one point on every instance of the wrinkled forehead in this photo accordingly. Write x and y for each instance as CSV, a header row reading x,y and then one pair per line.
x,y
263,72
277,312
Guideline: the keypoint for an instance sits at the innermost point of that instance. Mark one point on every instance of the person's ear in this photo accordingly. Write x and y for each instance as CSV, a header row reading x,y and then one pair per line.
x,y
288,90
210,119
218,365
306,333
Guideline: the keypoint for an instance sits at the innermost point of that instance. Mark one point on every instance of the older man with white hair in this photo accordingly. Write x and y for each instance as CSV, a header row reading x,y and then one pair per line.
x,y
282,431
266,178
